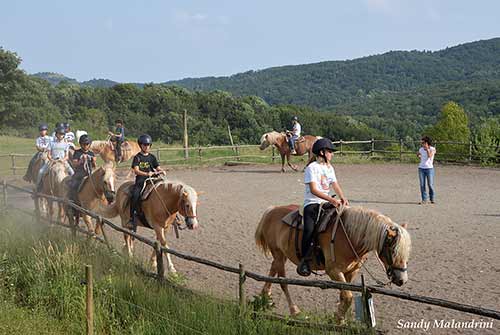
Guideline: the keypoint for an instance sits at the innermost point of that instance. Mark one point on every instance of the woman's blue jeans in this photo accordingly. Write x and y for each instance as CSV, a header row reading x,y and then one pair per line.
x,y
426,175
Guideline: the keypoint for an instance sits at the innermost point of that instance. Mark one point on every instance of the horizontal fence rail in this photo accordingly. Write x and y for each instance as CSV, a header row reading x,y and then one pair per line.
x,y
373,148
258,277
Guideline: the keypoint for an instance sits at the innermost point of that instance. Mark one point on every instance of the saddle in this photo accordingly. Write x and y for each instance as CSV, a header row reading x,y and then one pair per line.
x,y
294,219
149,187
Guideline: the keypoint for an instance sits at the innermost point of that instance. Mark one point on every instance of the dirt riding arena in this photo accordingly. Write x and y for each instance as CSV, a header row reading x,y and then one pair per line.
x,y
456,242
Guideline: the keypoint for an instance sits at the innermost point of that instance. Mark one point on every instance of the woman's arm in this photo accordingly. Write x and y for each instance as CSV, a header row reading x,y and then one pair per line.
x,y
338,190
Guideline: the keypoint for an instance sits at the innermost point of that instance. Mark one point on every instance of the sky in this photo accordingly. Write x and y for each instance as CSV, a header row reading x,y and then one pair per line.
x,y
157,41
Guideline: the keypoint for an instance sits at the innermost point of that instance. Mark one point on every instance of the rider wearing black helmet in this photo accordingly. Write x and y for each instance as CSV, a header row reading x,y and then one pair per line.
x,y
84,161
42,145
69,136
144,165
294,134
118,137
319,178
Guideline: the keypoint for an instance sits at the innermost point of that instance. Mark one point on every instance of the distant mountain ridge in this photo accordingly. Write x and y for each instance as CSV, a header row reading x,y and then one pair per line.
x,y
56,78
331,83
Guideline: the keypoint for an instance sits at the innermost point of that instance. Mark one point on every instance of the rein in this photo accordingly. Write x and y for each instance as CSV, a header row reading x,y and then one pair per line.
x,y
340,210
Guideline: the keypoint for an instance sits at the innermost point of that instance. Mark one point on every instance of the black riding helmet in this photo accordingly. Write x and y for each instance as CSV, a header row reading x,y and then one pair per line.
x,y
60,130
43,126
66,125
85,139
145,139
59,124
295,118
322,144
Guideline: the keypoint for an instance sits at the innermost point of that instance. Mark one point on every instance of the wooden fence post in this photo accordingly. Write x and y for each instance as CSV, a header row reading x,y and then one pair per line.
x,y
186,137
160,268
4,191
400,149
241,292
372,152
230,137
368,315
90,299
272,158
470,151
158,155
13,160
199,153
237,152
340,142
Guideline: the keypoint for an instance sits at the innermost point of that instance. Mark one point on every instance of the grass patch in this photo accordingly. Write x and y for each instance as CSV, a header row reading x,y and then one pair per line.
x,y
41,271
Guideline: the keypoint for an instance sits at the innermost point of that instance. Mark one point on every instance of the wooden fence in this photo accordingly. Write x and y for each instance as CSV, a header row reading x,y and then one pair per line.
x,y
372,149
243,274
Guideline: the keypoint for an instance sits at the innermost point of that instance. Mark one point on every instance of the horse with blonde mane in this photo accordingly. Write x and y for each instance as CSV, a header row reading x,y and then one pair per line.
x,y
53,184
160,209
106,150
303,145
98,188
366,230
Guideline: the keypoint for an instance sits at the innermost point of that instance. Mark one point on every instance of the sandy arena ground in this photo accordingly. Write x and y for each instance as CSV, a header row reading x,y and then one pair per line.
x,y
456,242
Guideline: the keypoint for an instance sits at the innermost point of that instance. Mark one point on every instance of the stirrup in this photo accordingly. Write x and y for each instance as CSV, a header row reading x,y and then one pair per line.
x,y
304,268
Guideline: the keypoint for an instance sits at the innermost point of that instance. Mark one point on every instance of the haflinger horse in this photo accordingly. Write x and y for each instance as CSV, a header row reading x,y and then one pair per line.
x,y
367,230
53,184
98,188
303,146
160,210
106,150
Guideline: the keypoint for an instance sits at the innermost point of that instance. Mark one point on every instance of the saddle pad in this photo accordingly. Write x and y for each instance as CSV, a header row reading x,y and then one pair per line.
x,y
300,139
294,218
149,187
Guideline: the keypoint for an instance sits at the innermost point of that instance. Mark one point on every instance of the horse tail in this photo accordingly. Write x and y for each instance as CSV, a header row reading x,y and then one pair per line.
x,y
109,211
260,238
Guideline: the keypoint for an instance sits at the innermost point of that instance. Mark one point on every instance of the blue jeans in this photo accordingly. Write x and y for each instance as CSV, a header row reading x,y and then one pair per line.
x,y
291,142
426,175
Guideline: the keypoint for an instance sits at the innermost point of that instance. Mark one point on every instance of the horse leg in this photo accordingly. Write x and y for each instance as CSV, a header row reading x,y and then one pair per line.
x,y
349,277
345,296
282,162
280,267
88,222
266,290
51,210
160,236
293,167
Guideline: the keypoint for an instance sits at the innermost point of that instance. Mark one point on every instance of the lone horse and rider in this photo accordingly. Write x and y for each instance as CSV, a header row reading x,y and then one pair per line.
x,y
289,143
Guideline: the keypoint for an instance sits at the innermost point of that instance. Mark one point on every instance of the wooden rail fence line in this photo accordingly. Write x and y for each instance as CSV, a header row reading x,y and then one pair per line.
x,y
494,314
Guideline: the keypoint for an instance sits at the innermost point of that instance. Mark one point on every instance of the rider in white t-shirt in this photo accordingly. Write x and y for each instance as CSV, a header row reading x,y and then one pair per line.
x,y
295,134
42,144
319,178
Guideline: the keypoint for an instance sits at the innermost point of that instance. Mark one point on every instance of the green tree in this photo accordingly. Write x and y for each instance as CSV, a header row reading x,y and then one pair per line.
x,y
487,141
452,126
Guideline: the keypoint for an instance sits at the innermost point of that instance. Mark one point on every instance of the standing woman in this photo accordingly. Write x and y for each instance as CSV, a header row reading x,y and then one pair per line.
x,y
318,179
426,169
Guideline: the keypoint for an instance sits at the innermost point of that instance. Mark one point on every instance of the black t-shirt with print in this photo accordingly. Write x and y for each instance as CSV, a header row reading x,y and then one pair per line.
x,y
146,163
81,169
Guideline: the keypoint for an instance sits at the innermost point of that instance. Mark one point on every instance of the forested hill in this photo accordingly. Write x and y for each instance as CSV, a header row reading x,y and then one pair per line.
x,y
327,84
57,78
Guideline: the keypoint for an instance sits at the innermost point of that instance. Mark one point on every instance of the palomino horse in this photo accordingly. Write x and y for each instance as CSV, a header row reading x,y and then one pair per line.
x,y
367,230
279,140
160,209
97,189
53,184
107,151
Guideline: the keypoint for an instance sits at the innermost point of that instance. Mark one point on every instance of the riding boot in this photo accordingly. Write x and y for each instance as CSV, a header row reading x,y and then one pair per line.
x,y
132,222
304,267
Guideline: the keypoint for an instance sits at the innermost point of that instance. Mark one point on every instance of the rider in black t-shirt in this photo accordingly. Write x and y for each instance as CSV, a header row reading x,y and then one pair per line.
x,y
144,165
83,162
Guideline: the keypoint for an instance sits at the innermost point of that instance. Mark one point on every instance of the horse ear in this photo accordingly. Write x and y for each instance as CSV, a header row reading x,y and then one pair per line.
x,y
200,193
185,194
405,225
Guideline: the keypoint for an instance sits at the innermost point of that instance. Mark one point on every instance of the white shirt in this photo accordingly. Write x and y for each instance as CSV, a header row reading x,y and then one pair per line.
x,y
69,136
321,174
43,142
58,149
426,162
297,129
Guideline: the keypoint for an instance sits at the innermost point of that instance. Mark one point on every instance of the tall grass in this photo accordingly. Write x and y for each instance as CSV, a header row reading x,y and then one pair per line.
x,y
41,271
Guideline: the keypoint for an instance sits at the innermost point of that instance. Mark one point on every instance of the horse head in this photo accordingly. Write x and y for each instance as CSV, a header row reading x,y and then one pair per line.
x,y
108,181
394,253
264,142
188,206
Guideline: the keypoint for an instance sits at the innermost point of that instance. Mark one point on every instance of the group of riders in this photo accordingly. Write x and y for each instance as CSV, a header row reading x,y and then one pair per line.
x,y
319,173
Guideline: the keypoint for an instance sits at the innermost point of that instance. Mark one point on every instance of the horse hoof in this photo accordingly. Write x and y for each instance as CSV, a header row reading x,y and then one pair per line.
x,y
294,310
